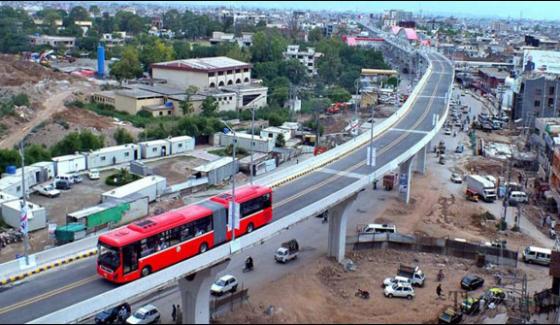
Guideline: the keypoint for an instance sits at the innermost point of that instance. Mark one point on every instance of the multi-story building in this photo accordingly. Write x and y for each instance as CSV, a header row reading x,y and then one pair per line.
x,y
308,58
54,41
393,17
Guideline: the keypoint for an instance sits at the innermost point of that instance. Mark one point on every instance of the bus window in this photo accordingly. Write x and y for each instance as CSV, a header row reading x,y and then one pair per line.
x,y
202,226
108,257
130,258
266,201
254,205
187,232
148,245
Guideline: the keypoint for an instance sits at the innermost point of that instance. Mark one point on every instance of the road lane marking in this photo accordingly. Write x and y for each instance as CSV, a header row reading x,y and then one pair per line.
x,y
341,173
48,294
409,131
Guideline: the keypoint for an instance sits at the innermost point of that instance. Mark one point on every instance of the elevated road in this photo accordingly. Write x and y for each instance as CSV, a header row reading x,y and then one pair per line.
x,y
77,282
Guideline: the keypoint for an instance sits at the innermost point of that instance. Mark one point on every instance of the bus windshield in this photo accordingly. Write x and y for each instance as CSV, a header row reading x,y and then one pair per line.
x,y
108,256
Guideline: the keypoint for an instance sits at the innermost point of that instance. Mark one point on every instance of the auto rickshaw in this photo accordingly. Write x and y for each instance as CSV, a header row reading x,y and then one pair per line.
x,y
470,305
471,196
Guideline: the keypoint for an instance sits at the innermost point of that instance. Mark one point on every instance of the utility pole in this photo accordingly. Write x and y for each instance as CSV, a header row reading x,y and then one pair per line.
x,y
233,205
24,223
252,143
356,103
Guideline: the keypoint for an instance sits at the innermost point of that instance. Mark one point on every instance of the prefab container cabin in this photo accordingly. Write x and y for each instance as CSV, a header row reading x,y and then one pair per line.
x,y
33,175
36,217
154,149
151,186
12,184
113,211
69,164
112,156
181,144
244,141
47,168
217,171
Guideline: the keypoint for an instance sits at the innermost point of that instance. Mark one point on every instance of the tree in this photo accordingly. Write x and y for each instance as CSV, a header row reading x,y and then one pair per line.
x,y
155,50
20,99
315,35
76,142
172,20
15,24
392,81
338,94
129,22
94,10
35,153
122,136
266,70
268,46
209,106
9,157
182,50
237,53
294,70
186,105
128,66
78,13
280,141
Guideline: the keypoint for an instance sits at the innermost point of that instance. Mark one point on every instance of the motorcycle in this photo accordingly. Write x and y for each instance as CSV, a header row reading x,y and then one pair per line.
x,y
248,265
364,294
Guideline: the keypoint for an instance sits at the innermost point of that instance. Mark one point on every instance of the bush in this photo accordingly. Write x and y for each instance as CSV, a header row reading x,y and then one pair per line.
x,y
122,136
122,177
20,100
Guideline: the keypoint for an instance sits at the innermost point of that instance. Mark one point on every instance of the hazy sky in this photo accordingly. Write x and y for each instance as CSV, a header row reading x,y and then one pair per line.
x,y
529,9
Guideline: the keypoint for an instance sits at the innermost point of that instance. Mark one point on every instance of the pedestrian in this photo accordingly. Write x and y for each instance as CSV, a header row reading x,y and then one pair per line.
x,y
375,184
438,291
174,313
179,316
297,161
543,219
548,220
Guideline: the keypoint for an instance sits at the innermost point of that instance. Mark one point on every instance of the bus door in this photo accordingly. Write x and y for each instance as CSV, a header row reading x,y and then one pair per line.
x,y
219,219
130,258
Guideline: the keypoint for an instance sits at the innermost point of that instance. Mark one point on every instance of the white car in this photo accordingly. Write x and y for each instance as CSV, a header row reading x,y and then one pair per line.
x,y
48,191
225,284
146,315
398,280
93,174
456,178
447,131
399,290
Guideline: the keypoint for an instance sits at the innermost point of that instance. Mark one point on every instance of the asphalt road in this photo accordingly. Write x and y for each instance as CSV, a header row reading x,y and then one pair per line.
x,y
52,291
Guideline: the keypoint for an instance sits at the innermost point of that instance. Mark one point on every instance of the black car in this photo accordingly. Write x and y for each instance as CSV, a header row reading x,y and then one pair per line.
x,y
110,316
62,185
472,282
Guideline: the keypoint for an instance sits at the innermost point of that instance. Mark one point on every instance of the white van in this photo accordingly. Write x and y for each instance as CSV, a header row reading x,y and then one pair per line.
x,y
518,196
537,255
64,177
375,228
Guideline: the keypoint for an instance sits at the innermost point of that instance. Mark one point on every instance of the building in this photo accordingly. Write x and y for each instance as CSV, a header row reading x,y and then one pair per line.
x,y
491,79
133,100
273,132
371,42
106,97
308,58
69,164
217,171
394,17
203,72
154,149
109,41
151,187
112,156
85,25
545,138
36,215
179,145
53,41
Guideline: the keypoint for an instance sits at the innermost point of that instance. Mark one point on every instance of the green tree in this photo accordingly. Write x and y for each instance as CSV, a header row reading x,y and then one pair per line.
x,y
392,81
338,94
315,35
266,70
122,136
20,99
94,10
172,20
78,13
182,49
129,22
294,70
187,105
209,106
280,141
238,53
268,46
76,142
9,157
155,50
15,24
128,66
35,153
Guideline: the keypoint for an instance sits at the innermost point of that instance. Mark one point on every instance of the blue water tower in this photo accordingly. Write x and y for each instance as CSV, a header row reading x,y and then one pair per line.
x,y
100,61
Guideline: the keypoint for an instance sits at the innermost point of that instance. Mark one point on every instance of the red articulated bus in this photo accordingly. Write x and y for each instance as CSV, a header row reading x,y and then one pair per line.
x,y
138,249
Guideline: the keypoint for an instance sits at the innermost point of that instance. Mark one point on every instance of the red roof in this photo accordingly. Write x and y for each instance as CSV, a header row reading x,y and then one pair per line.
x,y
242,194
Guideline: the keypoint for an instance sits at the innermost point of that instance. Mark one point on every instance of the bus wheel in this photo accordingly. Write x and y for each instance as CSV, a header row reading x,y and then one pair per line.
x,y
250,228
146,271
203,248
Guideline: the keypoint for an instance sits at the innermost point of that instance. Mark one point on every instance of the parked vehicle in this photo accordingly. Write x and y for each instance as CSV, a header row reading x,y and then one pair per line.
x,y
148,314
459,149
398,280
48,190
63,177
62,185
77,178
518,197
389,181
399,290
447,132
471,282
93,174
470,305
441,160
450,316
471,196
536,255
495,295
287,252
456,178
376,228
225,284
481,186
415,274
111,315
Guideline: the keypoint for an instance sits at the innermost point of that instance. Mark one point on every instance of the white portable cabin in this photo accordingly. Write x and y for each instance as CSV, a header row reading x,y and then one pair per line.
x,y
154,149
36,218
4,197
244,141
33,175
151,186
69,164
112,156
181,144
12,184
47,168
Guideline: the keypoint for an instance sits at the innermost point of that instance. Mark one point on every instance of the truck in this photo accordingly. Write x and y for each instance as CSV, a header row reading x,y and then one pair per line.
x,y
482,187
414,273
287,252
389,181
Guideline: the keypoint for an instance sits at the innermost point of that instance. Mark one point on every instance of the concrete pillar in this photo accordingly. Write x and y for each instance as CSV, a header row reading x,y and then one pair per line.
x,y
405,170
421,160
338,220
195,294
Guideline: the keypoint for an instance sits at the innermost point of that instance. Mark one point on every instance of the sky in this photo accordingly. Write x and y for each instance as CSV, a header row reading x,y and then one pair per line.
x,y
548,10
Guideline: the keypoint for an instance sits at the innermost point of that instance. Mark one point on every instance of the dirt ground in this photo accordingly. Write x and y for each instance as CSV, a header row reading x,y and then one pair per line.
x,y
73,120
176,169
313,293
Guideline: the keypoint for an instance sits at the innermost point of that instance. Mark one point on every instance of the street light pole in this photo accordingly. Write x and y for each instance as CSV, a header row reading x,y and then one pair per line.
x,y
356,104
252,142
371,138
233,204
23,218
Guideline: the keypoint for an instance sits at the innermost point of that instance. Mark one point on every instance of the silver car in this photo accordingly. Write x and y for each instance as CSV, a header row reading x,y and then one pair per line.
x,y
148,314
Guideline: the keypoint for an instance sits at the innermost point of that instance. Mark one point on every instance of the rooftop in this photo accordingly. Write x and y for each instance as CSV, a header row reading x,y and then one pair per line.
x,y
214,165
202,64
137,93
